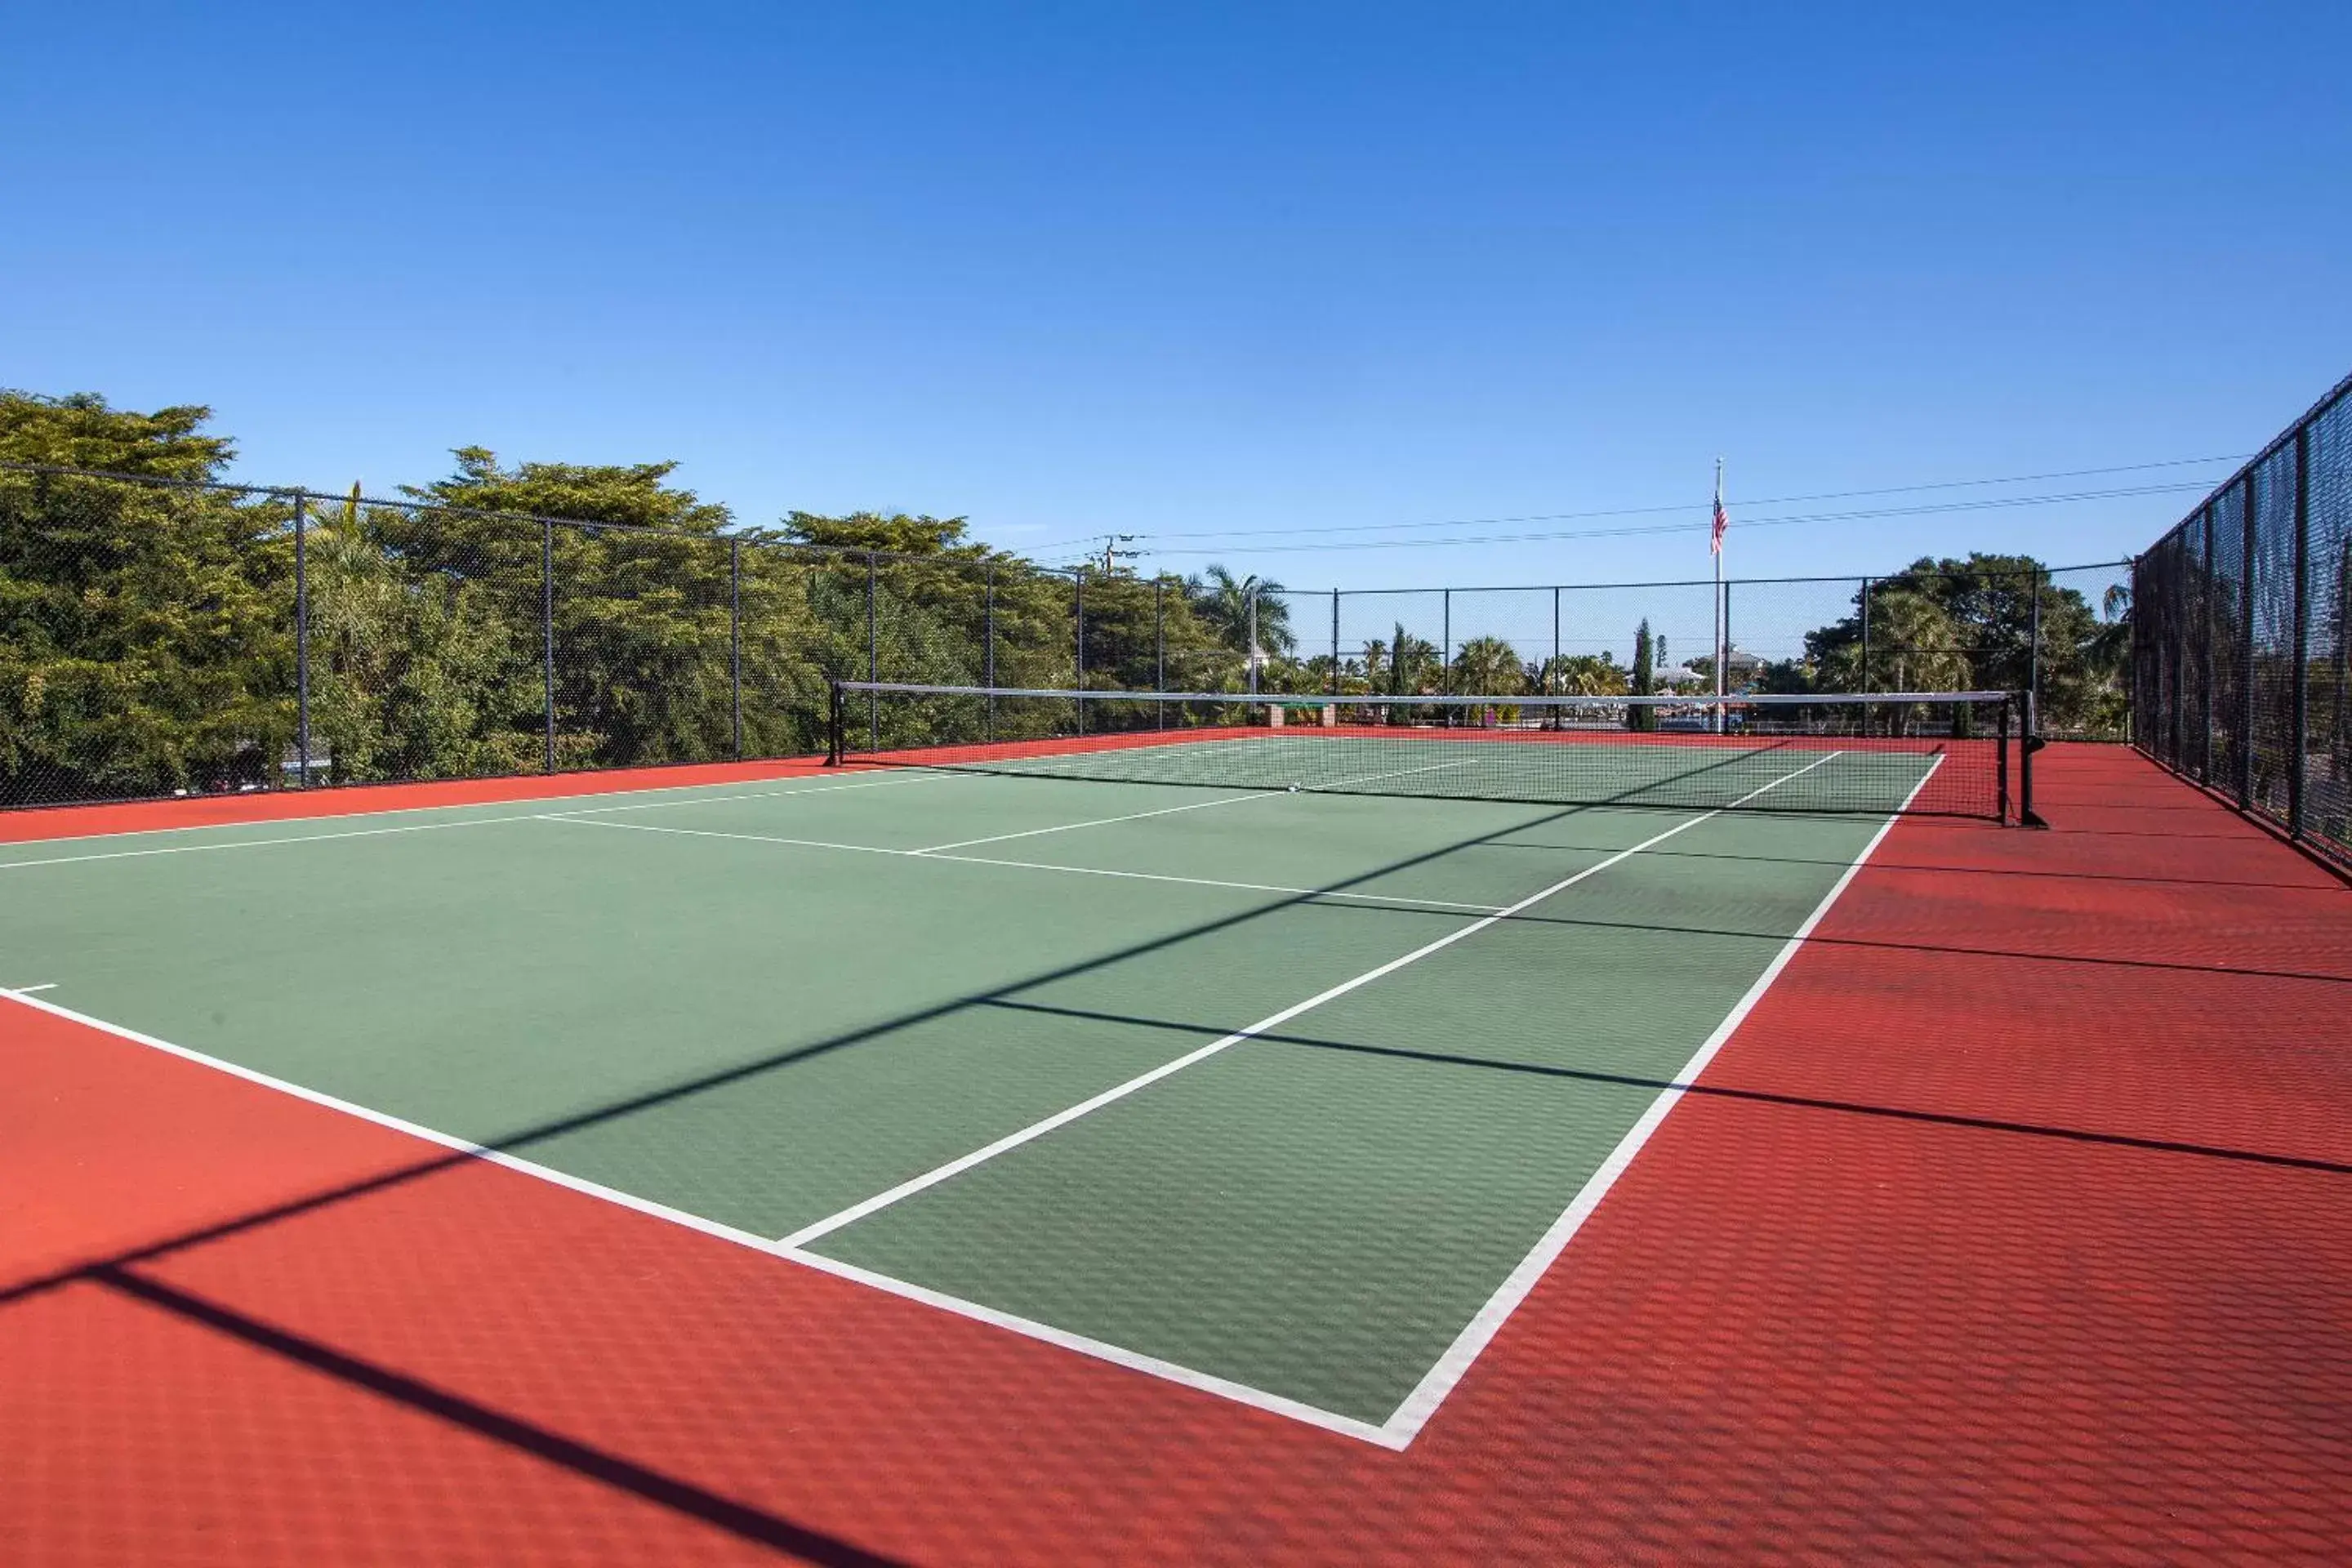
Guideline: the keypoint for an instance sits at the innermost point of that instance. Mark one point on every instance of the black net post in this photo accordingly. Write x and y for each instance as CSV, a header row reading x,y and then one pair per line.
x,y
835,742
547,631
2028,740
735,641
2298,748
2243,719
301,637
2001,768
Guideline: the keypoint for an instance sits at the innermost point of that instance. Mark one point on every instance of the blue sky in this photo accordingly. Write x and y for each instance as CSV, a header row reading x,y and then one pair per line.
x,y
1166,270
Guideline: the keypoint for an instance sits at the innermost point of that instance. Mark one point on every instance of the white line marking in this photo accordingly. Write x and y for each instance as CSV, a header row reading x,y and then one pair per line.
x,y
1099,1350
426,827
1021,864
1268,794
28,990
1396,1434
1418,1406
1097,822
1212,882
903,1190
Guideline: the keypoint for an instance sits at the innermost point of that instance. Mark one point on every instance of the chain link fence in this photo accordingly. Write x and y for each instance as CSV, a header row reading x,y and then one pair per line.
x,y
2242,653
163,637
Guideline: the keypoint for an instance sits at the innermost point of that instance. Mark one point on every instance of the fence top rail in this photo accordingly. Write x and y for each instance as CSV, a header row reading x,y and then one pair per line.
x,y
2278,444
305,492
1898,574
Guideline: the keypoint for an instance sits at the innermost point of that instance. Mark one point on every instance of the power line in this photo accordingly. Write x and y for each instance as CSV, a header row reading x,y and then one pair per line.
x,y
1851,516
1683,507
1680,506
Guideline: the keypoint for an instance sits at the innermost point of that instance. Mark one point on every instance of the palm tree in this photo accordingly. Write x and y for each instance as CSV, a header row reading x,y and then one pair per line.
x,y
1487,667
1223,601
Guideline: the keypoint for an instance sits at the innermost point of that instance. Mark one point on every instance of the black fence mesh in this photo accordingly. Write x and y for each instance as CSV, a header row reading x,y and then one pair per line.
x,y
158,636
2243,657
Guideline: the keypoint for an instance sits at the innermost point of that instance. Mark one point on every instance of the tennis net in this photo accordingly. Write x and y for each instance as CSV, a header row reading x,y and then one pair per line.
x,y
1946,754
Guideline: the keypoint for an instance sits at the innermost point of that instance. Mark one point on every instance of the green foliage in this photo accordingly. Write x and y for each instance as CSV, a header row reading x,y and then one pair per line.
x,y
147,627
146,633
1645,679
1968,624
1221,602
1488,666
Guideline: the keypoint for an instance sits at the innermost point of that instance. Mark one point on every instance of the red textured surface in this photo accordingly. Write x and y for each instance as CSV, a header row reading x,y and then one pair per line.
x,y
2015,1223
276,805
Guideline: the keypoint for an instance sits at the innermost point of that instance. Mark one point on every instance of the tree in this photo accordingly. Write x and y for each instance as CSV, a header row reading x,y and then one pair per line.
x,y
413,675
641,594
1487,667
1222,601
1641,716
146,631
1413,662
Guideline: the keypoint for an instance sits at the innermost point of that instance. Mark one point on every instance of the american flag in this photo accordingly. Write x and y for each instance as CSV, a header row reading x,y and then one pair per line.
x,y
1722,522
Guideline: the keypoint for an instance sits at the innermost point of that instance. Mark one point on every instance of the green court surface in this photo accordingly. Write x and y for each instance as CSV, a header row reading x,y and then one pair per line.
x,y
831,1014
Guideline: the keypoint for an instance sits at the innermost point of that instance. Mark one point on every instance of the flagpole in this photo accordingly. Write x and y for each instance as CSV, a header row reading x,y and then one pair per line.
x,y
1720,651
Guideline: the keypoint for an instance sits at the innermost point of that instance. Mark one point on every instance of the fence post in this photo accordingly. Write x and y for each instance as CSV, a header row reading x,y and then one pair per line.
x,y
2296,757
1160,637
2205,664
2033,643
1862,673
873,657
1723,667
1335,642
735,639
1554,675
987,647
2244,716
547,631
1249,656
301,637
1445,654
1078,590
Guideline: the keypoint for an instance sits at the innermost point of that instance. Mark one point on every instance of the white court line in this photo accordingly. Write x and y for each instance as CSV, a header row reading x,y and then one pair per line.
x,y
905,1190
1097,822
1268,794
1418,1406
1395,1434
1021,865
424,826
1099,1350
28,990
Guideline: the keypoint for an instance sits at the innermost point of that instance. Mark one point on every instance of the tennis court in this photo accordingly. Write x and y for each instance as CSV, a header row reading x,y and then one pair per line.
x,y
943,1160
1287,1095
